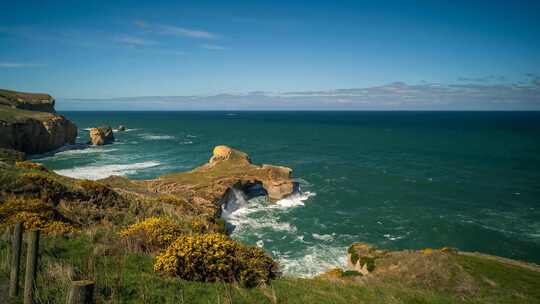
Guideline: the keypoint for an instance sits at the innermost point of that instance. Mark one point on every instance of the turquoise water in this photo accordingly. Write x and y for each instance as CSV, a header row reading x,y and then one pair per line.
x,y
469,180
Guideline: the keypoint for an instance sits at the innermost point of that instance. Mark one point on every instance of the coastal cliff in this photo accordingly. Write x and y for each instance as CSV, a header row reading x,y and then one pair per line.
x,y
29,123
167,232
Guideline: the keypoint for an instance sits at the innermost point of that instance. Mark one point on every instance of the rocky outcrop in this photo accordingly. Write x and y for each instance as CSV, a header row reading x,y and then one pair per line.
x,y
28,123
101,136
276,180
210,186
27,101
361,257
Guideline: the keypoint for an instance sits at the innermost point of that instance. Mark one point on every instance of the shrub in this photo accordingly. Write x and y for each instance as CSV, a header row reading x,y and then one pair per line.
x,y
34,214
48,187
207,224
100,195
365,255
340,274
354,255
428,251
95,189
369,261
152,234
11,156
351,273
30,166
215,257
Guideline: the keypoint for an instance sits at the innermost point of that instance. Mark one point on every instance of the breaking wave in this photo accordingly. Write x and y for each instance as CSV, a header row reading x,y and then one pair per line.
x,y
148,136
258,221
311,261
99,172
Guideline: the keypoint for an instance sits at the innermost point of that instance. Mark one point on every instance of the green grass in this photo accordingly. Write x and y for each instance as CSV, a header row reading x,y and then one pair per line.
x,y
129,278
13,115
506,283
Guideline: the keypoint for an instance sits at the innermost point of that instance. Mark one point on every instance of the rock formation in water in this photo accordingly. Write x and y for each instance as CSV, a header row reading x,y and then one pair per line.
x,y
101,136
28,123
209,186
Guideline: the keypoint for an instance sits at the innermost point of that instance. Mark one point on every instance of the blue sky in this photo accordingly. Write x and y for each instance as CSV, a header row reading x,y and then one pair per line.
x,y
274,55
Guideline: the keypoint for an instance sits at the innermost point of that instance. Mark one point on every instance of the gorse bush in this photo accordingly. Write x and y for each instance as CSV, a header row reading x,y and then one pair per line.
x,y
152,234
215,257
34,214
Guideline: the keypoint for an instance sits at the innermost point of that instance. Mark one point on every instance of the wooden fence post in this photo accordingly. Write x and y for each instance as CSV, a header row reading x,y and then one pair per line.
x,y
31,267
81,292
15,260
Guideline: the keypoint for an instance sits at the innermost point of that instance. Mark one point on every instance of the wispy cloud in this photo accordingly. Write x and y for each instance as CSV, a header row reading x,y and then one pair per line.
x,y
488,78
18,65
163,29
213,47
134,41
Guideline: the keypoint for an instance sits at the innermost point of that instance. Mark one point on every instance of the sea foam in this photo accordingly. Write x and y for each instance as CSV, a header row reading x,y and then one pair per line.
x,y
98,172
312,261
149,136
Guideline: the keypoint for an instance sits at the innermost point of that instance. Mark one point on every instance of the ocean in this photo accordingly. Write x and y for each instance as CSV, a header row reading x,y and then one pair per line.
x,y
398,180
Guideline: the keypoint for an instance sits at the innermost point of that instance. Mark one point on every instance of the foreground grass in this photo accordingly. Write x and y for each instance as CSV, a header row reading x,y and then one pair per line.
x,y
123,277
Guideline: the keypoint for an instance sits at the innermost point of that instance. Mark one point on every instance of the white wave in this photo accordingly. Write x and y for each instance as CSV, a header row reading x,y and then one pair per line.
x,y
323,237
115,130
84,151
191,136
295,199
148,136
312,261
242,222
99,172
393,238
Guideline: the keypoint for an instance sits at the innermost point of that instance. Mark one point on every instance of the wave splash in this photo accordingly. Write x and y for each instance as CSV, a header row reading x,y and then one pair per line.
x,y
104,171
258,221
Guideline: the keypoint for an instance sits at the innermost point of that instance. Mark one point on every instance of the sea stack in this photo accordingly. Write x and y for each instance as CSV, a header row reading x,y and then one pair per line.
x,y
29,123
101,136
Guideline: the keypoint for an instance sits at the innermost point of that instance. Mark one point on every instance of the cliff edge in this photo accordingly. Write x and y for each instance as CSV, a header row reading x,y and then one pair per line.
x,y
29,123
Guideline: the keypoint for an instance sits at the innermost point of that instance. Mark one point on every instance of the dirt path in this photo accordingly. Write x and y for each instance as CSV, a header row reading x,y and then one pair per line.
x,y
530,266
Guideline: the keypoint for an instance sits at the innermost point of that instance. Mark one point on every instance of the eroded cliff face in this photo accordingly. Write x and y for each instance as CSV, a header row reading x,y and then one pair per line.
x,y
31,127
